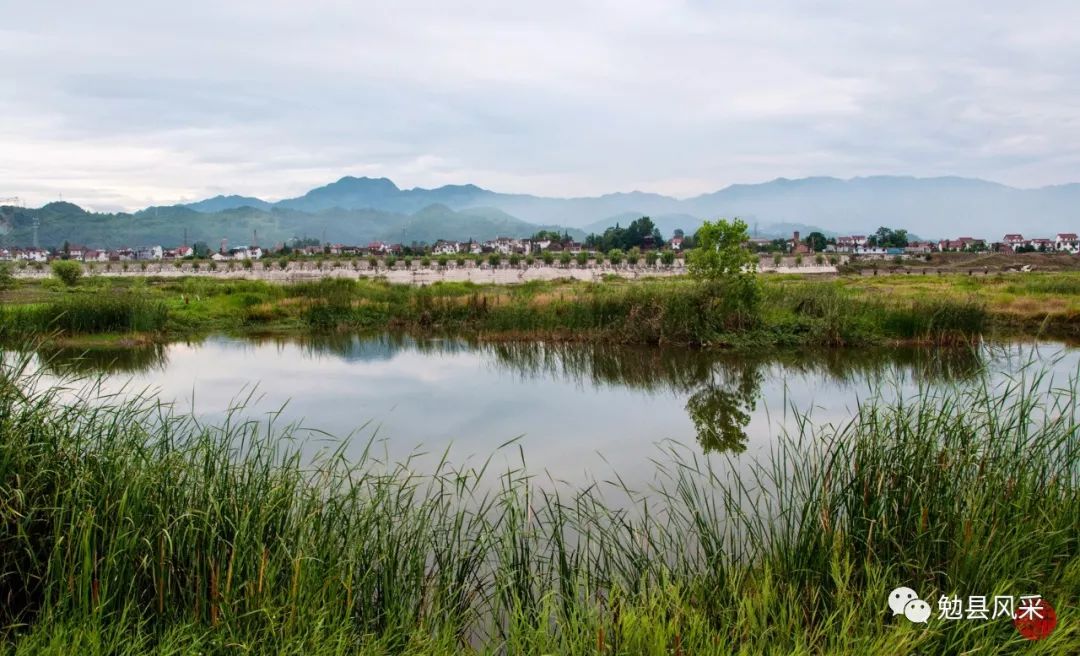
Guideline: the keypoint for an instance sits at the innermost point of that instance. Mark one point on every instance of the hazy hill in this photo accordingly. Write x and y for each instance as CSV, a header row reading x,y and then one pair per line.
x,y
219,203
357,210
933,207
60,222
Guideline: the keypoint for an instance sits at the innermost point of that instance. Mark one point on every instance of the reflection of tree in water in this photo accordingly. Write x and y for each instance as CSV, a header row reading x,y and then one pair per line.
x,y
721,388
720,409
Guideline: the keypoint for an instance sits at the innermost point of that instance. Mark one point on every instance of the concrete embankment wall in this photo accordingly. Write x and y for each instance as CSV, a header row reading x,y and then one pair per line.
x,y
303,271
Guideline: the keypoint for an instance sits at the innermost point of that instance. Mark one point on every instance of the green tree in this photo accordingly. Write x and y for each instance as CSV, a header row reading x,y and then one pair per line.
x,y
565,259
667,258
67,272
720,255
816,241
615,256
7,279
582,258
722,261
888,238
547,257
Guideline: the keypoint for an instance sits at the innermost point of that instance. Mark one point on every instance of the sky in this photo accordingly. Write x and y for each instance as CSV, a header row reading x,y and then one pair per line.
x,y
118,104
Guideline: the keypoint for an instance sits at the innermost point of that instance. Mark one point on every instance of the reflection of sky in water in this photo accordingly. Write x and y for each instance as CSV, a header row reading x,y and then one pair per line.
x,y
469,398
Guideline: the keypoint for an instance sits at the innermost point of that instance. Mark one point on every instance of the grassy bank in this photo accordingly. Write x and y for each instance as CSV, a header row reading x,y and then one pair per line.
x,y
793,311
124,530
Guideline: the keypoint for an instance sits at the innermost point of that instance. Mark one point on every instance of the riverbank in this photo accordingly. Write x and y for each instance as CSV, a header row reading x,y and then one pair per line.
x,y
126,531
795,311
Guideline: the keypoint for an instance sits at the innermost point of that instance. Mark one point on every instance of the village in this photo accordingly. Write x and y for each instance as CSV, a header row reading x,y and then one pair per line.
x,y
815,243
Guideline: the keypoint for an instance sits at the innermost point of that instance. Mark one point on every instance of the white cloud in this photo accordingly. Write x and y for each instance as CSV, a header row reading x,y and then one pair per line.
x,y
123,104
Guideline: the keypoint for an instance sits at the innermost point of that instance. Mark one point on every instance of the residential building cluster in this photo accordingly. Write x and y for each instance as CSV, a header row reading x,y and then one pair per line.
x,y
501,245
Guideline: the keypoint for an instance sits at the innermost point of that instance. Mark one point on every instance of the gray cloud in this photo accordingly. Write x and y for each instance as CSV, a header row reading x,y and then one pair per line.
x,y
124,104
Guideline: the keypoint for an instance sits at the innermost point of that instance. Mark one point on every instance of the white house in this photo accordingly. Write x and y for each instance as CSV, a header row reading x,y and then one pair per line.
x,y
443,247
1014,241
32,255
149,253
1067,241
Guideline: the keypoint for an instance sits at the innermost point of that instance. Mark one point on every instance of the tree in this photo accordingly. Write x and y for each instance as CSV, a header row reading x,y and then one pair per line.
x,y
67,271
641,233
722,261
200,250
816,241
720,254
888,238
7,279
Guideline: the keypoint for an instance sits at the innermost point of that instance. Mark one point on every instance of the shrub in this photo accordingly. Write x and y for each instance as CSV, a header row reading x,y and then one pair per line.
x,y
461,260
777,258
667,258
615,256
67,272
547,258
443,261
819,259
494,259
650,258
373,262
515,259
582,258
565,259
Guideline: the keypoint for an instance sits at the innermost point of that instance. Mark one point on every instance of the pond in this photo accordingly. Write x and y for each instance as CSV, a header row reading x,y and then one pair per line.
x,y
575,412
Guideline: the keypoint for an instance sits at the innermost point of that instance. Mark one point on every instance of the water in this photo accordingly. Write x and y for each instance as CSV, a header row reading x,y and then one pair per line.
x,y
576,412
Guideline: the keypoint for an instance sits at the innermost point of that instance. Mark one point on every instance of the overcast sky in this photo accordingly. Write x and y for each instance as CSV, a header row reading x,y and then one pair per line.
x,y
123,104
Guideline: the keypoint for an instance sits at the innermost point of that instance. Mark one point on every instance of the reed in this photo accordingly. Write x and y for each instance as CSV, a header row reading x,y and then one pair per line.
x,y
80,313
125,528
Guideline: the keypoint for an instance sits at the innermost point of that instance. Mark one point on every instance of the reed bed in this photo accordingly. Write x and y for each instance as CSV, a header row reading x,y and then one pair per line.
x,y
80,314
645,312
125,528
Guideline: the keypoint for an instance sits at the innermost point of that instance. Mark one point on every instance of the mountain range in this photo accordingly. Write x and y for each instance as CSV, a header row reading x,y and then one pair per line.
x,y
358,210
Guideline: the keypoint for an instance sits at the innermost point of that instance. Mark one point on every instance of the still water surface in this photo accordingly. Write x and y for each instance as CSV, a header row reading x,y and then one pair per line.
x,y
578,412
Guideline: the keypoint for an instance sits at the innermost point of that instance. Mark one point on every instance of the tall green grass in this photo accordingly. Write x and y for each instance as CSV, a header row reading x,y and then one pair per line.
x,y
85,314
127,529
644,312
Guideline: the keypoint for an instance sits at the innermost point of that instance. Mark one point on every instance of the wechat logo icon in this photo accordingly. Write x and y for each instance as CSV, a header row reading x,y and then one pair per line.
x,y
904,601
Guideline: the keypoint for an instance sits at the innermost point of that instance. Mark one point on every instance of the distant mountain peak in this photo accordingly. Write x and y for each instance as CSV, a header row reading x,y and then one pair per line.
x,y
364,182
